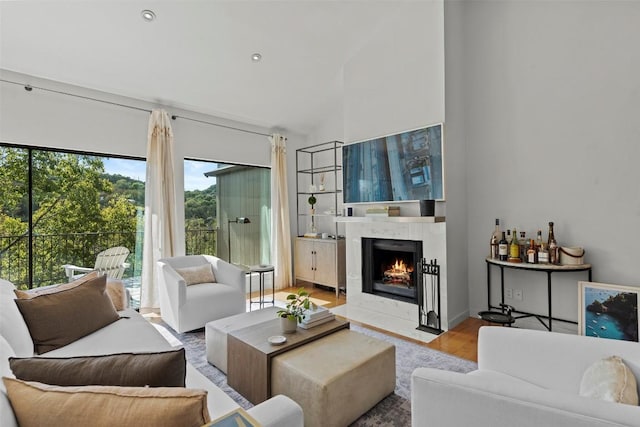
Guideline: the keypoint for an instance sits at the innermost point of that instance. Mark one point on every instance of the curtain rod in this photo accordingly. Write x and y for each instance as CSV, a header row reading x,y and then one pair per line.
x,y
29,88
219,125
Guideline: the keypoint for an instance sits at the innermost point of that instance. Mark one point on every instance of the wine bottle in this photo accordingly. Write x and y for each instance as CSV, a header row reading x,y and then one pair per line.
x,y
495,239
514,248
503,248
552,244
532,253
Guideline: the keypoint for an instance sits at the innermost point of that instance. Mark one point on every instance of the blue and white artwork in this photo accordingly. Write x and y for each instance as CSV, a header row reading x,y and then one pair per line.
x,y
609,313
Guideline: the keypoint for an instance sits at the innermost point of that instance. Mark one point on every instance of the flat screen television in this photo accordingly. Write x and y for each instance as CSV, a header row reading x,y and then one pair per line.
x,y
405,166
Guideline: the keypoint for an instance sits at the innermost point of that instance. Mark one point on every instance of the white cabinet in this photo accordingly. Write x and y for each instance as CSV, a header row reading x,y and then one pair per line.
x,y
321,261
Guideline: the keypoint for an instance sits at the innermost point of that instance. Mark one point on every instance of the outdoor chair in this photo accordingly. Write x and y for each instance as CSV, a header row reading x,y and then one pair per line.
x,y
110,262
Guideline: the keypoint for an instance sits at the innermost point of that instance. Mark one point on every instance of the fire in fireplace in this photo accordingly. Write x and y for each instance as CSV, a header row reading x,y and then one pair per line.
x,y
389,268
398,274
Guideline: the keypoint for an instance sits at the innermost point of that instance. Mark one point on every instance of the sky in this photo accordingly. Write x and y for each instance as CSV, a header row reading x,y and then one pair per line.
x,y
194,178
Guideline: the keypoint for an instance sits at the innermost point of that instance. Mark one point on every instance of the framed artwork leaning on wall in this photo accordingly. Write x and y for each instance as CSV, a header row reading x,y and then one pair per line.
x,y
608,311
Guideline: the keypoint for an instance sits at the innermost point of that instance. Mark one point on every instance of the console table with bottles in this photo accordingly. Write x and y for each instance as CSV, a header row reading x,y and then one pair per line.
x,y
546,268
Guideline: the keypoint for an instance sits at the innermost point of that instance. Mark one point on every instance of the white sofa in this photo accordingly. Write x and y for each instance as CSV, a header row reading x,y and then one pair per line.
x,y
186,308
130,334
524,378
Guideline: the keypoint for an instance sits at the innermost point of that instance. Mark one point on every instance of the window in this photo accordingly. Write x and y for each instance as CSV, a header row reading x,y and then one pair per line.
x,y
64,208
227,193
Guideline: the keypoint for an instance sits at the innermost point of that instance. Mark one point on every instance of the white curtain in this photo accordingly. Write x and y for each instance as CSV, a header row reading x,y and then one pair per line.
x,y
280,231
160,201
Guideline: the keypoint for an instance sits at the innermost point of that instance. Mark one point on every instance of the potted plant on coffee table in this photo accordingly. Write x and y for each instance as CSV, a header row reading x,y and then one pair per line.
x,y
293,312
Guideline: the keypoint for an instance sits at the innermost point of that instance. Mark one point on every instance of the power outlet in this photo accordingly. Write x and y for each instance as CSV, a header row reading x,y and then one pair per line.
x,y
517,294
508,293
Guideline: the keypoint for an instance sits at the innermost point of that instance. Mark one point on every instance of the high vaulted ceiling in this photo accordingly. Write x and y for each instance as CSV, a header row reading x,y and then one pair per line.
x,y
196,55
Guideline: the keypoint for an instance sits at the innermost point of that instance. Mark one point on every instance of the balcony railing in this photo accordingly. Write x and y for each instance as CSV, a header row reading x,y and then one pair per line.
x,y
52,251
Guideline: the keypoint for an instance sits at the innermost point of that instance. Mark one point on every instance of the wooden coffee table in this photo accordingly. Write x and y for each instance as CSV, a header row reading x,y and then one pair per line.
x,y
249,354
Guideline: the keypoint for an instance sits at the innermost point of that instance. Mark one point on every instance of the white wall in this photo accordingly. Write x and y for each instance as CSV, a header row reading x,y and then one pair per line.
x,y
550,117
396,82
46,119
455,155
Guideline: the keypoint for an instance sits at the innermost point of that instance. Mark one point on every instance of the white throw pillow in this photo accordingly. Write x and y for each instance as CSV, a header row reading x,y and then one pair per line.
x,y
198,274
12,325
5,353
6,411
610,379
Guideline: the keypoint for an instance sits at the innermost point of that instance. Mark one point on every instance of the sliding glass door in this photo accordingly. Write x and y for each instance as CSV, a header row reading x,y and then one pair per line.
x,y
64,208
233,200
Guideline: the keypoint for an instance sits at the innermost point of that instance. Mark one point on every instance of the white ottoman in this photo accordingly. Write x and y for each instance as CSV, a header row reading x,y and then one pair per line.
x,y
215,333
336,378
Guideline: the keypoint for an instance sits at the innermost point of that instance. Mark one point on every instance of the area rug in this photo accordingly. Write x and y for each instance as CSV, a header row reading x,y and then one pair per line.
x,y
393,411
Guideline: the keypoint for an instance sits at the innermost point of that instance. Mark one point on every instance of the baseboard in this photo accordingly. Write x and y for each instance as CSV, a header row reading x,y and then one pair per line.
x,y
455,321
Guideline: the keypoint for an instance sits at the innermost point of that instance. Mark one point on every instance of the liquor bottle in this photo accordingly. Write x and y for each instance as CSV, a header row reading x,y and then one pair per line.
x,y
514,248
523,246
539,239
532,253
543,254
552,244
503,248
495,238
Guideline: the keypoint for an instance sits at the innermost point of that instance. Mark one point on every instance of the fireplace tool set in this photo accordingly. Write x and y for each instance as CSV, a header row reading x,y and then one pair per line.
x,y
429,297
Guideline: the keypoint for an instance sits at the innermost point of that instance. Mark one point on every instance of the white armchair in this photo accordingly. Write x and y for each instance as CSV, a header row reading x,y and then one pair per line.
x,y
525,378
186,308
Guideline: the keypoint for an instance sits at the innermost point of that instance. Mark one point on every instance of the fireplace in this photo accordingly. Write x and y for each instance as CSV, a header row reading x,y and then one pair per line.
x,y
390,268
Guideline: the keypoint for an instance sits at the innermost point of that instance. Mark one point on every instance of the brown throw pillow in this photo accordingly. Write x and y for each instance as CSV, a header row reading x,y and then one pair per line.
x,y
57,319
163,369
36,404
198,274
47,290
115,290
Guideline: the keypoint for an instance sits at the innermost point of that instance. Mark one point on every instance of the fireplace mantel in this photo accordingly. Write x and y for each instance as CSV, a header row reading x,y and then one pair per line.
x,y
426,219
395,316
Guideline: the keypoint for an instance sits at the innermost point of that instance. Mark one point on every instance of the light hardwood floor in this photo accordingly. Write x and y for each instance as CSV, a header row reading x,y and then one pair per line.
x,y
461,341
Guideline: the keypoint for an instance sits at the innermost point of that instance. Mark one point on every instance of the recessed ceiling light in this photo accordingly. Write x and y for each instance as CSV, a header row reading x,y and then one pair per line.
x,y
256,57
148,15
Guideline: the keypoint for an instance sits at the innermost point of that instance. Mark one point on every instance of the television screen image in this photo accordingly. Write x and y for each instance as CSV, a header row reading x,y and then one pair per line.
x,y
405,166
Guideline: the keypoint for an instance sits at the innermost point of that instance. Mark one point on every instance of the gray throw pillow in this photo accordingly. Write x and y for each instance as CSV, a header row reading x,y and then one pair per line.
x,y
197,274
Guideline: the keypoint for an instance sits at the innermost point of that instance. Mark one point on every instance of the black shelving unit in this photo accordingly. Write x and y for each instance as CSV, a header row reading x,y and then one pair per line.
x,y
311,163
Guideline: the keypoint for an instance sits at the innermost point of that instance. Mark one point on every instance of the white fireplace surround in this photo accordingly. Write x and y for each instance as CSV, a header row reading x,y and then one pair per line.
x,y
388,314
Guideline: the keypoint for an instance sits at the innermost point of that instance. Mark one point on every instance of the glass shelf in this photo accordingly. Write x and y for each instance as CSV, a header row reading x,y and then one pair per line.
x,y
321,169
